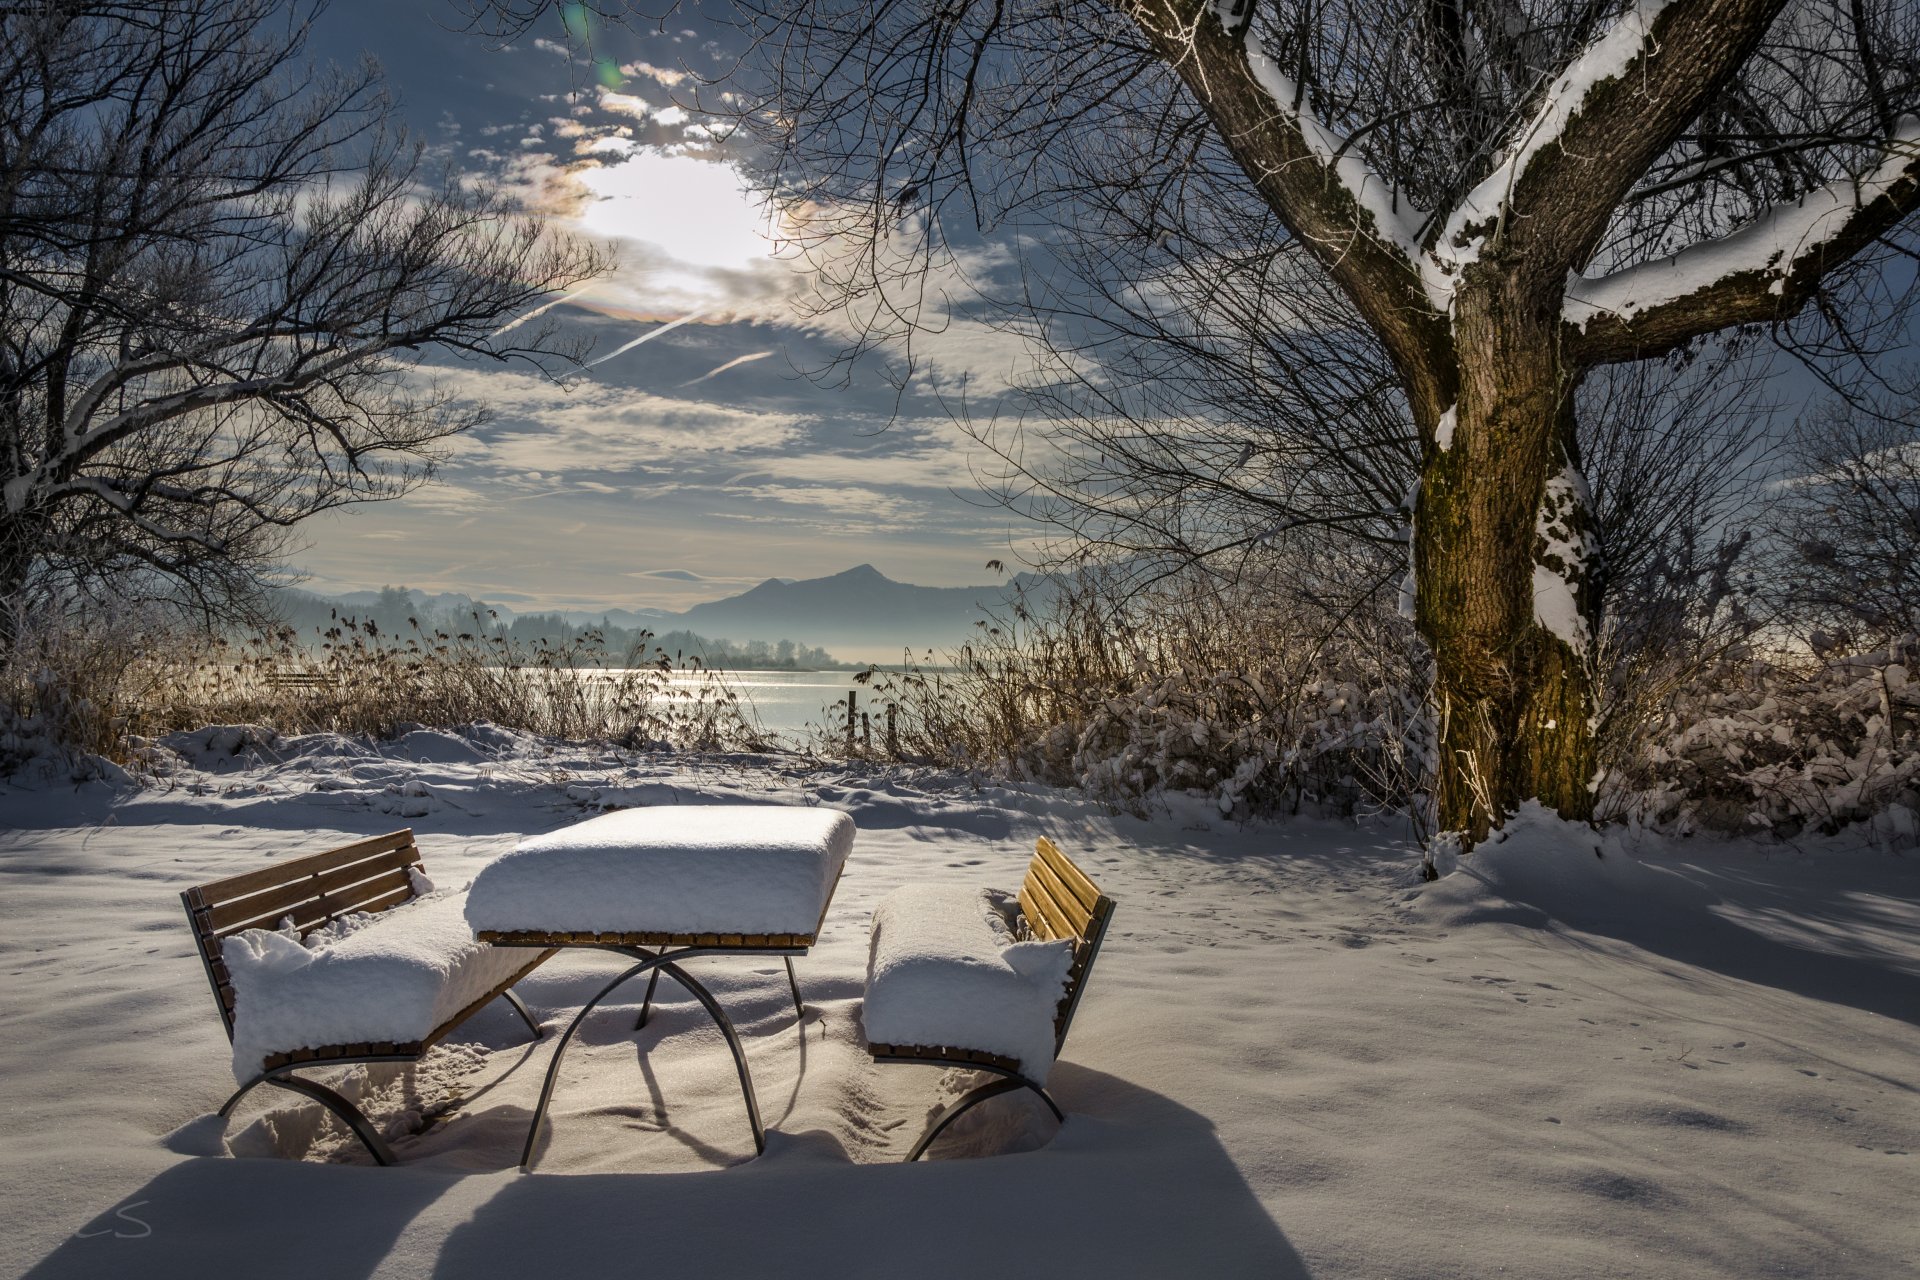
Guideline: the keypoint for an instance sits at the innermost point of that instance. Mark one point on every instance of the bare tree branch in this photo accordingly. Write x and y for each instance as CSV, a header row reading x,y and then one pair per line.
x,y
221,277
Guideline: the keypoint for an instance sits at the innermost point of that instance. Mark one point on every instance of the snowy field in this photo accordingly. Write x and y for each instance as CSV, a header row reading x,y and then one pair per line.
x,y
1689,1059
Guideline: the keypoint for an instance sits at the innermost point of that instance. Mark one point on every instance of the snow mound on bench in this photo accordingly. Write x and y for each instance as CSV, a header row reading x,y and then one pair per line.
x,y
944,969
680,869
396,978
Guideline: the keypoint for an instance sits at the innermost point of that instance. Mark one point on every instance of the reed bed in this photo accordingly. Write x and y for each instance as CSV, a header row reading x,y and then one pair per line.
x,y
1190,685
106,688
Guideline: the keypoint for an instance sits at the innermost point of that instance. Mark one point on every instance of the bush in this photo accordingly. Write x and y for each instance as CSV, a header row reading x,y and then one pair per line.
x,y
1781,746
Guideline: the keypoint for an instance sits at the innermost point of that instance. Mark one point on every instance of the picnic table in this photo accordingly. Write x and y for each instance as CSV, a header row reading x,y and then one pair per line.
x,y
661,886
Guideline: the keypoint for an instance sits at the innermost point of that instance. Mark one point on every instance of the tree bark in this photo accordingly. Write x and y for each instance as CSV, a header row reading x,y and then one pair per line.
x,y
1502,541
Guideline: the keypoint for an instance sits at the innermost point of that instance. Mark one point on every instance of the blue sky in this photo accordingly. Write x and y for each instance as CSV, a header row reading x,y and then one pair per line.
x,y
696,463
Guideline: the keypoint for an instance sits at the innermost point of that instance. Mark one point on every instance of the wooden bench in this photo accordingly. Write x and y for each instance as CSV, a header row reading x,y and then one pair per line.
x,y
1057,901
312,891
298,680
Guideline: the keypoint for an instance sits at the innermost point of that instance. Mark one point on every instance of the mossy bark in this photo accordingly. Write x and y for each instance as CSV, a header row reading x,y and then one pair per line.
x,y
1513,699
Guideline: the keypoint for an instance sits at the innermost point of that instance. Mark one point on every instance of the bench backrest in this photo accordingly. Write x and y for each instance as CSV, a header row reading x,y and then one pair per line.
x,y
368,875
1059,900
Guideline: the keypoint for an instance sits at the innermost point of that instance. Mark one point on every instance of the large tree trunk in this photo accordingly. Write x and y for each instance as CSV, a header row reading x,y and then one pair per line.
x,y
1505,573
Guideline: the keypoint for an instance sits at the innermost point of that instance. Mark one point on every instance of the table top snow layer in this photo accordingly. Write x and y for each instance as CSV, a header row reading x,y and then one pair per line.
x,y
944,970
725,869
397,976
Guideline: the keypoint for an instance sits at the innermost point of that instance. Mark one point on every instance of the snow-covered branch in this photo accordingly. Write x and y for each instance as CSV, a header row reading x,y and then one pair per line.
x,y
1594,131
1760,272
1482,210
1373,197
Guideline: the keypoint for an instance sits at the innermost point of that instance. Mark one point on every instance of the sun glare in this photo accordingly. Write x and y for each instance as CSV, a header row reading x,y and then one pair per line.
x,y
695,210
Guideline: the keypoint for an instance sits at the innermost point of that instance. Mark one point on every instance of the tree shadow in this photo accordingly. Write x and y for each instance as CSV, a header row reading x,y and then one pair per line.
x,y
1813,930
1135,1184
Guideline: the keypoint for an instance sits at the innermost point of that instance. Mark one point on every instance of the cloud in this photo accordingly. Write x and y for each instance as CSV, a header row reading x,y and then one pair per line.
x,y
664,76
592,427
843,506
625,104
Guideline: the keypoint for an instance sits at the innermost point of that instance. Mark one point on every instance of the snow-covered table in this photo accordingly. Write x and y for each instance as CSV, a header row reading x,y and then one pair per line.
x,y
665,885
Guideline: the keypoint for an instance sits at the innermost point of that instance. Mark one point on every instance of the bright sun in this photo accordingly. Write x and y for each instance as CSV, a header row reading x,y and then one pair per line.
x,y
695,210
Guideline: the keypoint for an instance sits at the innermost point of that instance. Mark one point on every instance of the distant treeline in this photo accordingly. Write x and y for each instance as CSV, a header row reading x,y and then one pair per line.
x,y
397,611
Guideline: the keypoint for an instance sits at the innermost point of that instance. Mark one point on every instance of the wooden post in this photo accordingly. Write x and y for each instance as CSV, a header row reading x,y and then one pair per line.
x,y
893,737
866,732
851,696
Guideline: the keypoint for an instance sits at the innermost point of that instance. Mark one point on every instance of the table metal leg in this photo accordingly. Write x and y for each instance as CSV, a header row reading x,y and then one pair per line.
x,y
793,984
646,1006
560,1051
725,1024
655,964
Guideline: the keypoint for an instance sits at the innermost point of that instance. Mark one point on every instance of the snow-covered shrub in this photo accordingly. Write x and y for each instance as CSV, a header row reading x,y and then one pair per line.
x,y
1781,746
72,690
1261,704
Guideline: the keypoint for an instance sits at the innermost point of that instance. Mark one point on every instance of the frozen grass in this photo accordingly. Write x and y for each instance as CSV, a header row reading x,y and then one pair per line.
x,y
108,688
1259,704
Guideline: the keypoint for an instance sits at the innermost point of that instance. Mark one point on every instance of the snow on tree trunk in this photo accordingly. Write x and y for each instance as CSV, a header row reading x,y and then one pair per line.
x,y
1504,563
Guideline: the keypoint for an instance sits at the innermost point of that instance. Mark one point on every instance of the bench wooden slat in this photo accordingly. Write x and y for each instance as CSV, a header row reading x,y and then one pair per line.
x,y
337,883
546,938
1040,898
389,890
1063,924
218,891
1066,906
945,1052
403,893
1072,876
296,679
1030,908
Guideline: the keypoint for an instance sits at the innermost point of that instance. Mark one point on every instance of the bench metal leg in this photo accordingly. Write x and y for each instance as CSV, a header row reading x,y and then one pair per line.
x,y
992,1089
520,1007
350,1115
655,963
793,984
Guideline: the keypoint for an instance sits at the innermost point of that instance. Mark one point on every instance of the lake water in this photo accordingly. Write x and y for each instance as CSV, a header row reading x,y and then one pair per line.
x,y
786,702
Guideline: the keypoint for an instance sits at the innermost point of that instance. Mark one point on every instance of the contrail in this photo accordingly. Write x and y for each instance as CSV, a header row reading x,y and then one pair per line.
x,y
543,308
648,336
746,359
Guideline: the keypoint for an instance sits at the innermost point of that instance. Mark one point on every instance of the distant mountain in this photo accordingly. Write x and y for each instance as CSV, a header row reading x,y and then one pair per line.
x,y
860,615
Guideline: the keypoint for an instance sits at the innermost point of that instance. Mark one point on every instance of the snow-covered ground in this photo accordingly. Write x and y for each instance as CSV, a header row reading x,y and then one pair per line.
x,y
1677,1060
